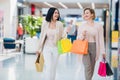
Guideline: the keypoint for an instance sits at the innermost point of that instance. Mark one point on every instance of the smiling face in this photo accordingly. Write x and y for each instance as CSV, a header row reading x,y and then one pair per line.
x,y
52,14
55,15
89,14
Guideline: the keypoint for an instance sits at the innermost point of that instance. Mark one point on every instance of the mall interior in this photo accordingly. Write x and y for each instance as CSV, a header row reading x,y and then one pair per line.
x,y
18,57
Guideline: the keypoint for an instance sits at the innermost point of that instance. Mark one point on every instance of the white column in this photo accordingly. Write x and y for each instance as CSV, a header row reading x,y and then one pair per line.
x,y
13,17
10,17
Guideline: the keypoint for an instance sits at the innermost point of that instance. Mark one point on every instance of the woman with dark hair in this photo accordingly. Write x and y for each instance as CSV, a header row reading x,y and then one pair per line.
x,y
93,33
51,32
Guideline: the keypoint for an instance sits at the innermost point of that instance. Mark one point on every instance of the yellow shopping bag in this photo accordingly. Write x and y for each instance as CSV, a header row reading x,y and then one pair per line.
x,y
64,45
39,64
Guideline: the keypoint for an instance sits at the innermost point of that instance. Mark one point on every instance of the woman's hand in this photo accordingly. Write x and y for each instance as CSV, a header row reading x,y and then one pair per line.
x,y
104,56
84,33
37,52
96,58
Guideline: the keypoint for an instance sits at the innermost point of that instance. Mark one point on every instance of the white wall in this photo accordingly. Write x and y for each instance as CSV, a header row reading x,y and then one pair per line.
x,y
10,15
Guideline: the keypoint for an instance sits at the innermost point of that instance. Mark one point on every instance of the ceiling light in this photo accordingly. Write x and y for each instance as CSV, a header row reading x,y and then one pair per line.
x,y
93,6
48,4
79,5
116,0
64,6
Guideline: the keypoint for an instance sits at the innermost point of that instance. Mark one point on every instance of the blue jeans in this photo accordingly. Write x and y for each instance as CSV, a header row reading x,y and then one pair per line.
x,y
72,37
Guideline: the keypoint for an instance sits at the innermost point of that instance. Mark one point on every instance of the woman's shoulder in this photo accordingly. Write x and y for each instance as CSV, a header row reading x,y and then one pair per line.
x,y
83,23
44,22
99,25
59,24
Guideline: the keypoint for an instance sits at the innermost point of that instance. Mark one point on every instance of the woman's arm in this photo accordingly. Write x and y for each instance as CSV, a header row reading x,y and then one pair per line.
x,y
80,33
97,44
62,31
101,38
41,36
101,41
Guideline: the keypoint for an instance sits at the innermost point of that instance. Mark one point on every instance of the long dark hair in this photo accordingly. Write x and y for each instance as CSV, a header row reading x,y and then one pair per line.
x,y
50,14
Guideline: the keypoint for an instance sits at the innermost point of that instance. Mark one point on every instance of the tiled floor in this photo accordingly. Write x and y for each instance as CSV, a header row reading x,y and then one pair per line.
x,y
22,67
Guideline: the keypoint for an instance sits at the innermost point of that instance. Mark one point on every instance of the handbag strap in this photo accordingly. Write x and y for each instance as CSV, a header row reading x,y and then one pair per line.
x,y
104,60
38,57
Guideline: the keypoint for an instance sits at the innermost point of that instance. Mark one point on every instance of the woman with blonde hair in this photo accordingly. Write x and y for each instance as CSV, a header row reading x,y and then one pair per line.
x,y
93,33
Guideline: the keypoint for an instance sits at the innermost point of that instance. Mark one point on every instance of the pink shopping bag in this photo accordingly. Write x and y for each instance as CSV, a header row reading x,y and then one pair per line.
x,y
102,69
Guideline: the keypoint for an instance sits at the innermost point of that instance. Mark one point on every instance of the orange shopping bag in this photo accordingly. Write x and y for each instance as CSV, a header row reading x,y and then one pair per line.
x,y
80,47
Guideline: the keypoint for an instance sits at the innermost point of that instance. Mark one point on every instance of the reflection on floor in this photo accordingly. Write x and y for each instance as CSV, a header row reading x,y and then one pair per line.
x,y
22,67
